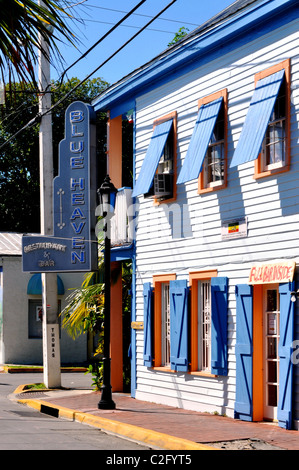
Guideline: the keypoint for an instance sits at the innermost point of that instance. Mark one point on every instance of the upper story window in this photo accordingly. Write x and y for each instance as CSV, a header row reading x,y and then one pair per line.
x,y
265,135
206,155
158,171
163,185
213,174
273,153
214,160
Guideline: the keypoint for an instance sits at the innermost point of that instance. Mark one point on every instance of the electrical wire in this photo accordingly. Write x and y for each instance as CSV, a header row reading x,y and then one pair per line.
x,y
38,117
128,14
139,14
110,57
106,35
126,25
102,38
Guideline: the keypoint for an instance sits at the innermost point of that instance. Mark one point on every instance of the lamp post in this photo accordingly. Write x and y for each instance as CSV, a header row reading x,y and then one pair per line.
x,y
107,194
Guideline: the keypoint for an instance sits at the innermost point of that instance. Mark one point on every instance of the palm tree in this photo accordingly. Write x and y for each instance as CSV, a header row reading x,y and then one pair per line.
x,y
21,24
84,309
84,313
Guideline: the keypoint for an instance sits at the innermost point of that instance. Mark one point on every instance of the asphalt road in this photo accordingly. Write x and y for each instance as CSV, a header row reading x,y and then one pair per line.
x,y
22,428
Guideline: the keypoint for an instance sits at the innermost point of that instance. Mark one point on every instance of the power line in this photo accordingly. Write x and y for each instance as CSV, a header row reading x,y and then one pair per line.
x,y
40,115
119,23
111,56
145,16
126,25
75,4
83,55
103,37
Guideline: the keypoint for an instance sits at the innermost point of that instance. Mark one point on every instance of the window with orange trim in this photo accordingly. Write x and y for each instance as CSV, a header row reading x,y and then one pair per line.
x,y
201,317
163,188
176,342
214,171
275,153
162,320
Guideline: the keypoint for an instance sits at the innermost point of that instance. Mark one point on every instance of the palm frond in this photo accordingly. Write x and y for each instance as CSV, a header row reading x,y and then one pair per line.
x,y
21,25
83,309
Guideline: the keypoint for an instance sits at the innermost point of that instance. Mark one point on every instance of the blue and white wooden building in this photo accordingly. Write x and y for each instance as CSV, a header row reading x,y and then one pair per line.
x,y
215,245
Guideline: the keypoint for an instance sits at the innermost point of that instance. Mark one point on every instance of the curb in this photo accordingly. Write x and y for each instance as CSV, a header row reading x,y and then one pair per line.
x,y
23,370
129,431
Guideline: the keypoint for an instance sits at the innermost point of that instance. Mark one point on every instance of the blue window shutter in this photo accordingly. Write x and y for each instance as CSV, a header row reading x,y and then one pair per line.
x,y
287,310
147,349
152,157
257,119
178,291
244,329
219,325
200,139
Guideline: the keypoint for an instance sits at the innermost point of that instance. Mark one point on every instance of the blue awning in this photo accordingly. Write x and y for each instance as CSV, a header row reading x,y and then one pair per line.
x,y
257,119
34,286
152,157
200,139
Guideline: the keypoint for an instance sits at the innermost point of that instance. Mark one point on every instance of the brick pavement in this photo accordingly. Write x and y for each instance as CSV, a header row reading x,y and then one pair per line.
x,y
194,426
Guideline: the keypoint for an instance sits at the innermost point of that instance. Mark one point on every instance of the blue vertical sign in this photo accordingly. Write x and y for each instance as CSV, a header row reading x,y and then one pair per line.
x,y
72,247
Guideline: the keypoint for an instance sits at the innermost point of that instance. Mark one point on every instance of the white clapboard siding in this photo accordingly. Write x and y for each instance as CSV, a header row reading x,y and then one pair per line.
x,y
270,206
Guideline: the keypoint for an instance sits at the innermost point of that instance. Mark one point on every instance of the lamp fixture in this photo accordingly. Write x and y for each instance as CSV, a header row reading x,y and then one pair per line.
x,y
107,195
294,295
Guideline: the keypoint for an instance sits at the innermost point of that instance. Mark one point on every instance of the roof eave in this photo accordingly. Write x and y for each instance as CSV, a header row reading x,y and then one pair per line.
x,y
189,52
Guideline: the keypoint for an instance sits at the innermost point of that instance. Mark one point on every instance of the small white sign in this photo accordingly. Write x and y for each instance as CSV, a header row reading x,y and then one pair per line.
x,y
39,313
234,228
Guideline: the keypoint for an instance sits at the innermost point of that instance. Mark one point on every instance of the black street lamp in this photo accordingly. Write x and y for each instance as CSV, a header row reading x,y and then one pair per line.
x,y
107,194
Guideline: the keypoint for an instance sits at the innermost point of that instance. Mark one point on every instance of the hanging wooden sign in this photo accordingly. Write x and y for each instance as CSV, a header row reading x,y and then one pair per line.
x,y
275,272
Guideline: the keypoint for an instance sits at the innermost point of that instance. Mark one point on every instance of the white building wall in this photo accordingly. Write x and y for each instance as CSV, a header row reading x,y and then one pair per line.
x,y
16,346
270,204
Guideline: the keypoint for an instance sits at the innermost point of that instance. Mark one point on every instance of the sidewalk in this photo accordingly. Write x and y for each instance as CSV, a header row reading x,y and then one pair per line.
x,y
159,426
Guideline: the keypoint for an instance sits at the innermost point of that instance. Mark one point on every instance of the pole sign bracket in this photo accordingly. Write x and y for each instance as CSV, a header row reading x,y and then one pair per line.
x,y
73,245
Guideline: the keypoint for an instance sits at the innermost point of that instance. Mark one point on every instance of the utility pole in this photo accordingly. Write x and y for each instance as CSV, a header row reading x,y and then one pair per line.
x,y
51,341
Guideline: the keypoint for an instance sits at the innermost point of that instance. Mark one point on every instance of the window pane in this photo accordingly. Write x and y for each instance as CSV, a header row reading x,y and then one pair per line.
x,y
272,348
165,325
204,325
214,159
279,107
274,142
218,132
163,179
271,300
214,163
35,319
272,324
272,371
272,395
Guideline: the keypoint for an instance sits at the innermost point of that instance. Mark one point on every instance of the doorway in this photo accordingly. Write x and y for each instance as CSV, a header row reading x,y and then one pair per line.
x,y
266,315
271,311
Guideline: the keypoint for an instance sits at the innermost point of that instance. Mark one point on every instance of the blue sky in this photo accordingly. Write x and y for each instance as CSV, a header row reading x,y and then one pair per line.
x,y
94,18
